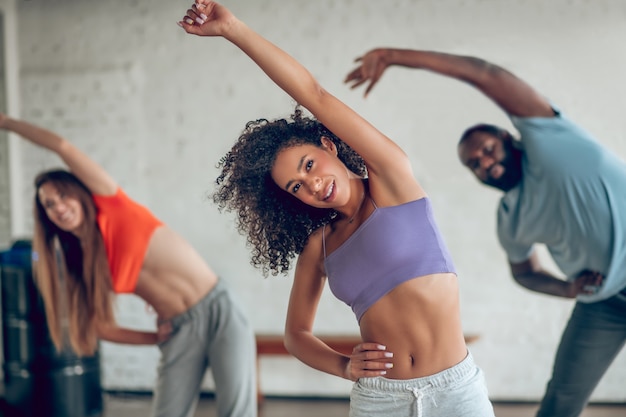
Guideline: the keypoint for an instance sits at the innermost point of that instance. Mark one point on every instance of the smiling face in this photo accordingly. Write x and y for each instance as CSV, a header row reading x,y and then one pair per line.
x,y
65,211
313,174
492,159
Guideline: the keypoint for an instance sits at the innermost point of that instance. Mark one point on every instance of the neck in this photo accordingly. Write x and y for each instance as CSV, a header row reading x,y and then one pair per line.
x,y
81,233
360,189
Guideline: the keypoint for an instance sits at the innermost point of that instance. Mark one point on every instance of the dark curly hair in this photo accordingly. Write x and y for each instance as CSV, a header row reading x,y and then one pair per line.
x,y
277,224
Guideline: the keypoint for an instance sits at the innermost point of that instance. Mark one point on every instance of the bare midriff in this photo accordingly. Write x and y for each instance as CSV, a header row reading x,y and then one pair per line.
x,y
173,277
419,322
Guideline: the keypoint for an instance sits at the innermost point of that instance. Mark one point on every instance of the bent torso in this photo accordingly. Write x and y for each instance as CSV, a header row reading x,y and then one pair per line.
x,y
173,276
419,322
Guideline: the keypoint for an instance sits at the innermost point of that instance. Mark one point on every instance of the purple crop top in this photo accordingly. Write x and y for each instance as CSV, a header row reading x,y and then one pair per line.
x,y
393,245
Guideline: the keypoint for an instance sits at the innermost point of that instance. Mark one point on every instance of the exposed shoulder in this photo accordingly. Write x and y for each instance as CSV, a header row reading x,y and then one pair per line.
x,y
117,192
313,246
312,256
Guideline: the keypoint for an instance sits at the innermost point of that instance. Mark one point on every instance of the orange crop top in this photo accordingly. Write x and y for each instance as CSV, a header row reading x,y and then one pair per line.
x,y
126,228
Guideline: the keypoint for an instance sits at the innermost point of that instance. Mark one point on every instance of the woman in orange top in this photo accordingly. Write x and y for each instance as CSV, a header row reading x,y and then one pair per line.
x,y
111,244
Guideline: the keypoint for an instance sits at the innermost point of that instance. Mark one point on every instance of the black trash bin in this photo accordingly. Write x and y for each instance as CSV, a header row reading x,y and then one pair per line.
x,y
38,380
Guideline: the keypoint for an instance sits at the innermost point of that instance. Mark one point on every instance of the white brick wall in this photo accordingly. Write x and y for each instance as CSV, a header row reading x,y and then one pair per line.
x,y
158,108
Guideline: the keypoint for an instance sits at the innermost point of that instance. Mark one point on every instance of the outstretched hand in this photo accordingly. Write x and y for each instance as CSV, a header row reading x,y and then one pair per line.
x,y
371,68
368,360
206,18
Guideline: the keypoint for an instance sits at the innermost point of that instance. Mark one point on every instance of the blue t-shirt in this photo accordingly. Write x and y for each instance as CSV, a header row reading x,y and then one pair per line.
x,y
572,198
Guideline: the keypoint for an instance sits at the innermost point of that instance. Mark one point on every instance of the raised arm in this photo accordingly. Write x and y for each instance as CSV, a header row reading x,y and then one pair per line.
x,y
512,94
382,156
89,172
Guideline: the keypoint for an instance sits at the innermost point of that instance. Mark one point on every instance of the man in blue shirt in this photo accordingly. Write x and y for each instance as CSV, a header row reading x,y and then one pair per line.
x,y
561,188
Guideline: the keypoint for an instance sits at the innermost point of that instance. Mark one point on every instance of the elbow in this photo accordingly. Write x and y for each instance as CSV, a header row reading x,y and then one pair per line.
x,y
524,280
485,72
316,98
320,94
484,67
519,279
289,343
479,63
294,340
63,147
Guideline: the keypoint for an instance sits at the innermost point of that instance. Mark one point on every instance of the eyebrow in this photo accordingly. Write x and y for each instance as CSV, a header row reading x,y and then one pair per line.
x,y
297,170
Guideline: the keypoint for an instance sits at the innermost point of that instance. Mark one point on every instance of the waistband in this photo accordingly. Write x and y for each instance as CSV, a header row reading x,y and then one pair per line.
x,y
442,379
218,290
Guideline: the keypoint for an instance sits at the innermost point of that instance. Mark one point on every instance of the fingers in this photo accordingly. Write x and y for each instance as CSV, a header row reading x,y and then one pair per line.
x,y
356,77
353,75
589,282
373,82
164,327
370,359
369,346
358,83
593,277
194,16
589,290
198,10
363,369
363,74
164,331
598,278
593,282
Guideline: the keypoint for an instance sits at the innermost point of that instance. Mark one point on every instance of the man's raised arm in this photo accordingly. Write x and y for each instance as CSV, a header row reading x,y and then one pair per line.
x,y
512,94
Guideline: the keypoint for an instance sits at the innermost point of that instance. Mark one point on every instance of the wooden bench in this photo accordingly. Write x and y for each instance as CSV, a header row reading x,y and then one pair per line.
x,y
273,344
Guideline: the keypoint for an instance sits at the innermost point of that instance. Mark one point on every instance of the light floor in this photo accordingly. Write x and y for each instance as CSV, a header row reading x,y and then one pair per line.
x,y
139,405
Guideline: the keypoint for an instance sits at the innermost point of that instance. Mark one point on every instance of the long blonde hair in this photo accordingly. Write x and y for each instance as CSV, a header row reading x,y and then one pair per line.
x,y
81,278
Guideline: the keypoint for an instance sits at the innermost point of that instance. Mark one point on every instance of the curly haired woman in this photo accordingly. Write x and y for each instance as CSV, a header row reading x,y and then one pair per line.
x,y
365,225
111,244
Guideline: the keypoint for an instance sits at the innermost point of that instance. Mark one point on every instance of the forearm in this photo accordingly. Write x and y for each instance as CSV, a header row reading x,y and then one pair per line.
x,y
543,282
313,352
280,67
465,68
35,134
127,336
95,178
509,92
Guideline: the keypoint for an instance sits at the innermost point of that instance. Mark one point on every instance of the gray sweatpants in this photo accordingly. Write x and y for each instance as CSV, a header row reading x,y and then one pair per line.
x,y
213,333
454,392
594,335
